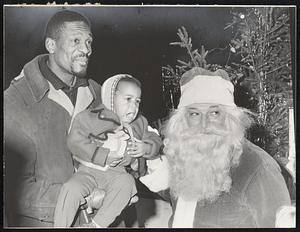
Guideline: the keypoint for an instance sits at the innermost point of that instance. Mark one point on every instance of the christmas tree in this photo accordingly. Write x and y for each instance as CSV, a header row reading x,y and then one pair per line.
x,y
261,44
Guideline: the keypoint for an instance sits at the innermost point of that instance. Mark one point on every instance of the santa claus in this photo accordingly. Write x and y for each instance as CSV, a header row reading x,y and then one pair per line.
x,y
214,176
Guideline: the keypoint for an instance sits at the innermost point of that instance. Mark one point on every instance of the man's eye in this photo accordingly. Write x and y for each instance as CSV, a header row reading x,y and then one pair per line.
x,y
128,99
138,101
89,42
76,41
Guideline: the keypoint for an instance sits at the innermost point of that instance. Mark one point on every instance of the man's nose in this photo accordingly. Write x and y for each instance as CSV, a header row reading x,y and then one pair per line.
x,y
133,106
86,49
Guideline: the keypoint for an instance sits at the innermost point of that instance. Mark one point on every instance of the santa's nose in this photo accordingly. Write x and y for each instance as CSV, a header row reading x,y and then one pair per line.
x,y
202,123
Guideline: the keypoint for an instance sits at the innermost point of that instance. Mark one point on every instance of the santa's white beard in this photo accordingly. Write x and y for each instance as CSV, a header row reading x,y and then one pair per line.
x,y
200,164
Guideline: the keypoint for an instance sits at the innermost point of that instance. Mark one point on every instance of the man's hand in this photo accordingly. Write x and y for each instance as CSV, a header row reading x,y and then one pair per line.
x,y
116,141
113,159
138,148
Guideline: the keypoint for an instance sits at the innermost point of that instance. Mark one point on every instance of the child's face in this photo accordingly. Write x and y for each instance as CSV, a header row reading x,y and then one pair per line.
x,y
127,100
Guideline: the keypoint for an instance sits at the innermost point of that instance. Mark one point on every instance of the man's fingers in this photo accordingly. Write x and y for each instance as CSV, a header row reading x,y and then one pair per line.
x,y
121,135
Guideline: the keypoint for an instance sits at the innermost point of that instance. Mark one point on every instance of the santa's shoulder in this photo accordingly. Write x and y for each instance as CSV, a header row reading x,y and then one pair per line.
x,y
253,160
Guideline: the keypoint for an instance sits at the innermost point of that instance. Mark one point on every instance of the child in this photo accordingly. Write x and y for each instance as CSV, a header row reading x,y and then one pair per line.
x,y
104,141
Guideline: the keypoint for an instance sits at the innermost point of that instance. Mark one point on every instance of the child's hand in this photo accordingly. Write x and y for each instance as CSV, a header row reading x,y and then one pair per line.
x,y
138,148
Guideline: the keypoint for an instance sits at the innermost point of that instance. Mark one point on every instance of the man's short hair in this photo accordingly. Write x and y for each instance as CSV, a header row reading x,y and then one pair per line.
x,y
55,24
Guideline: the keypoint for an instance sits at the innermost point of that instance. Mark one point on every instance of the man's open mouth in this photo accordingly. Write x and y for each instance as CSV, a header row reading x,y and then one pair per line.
x,y
81,61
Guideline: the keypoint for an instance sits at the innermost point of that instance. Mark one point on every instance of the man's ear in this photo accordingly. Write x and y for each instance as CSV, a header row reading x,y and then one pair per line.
x,y
50,45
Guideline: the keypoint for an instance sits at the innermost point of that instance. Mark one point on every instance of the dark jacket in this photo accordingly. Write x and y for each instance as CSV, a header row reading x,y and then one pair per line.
x,y
37,118
96,123
258,190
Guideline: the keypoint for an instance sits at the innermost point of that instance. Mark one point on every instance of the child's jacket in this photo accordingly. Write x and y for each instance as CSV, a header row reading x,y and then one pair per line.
x,y
96,123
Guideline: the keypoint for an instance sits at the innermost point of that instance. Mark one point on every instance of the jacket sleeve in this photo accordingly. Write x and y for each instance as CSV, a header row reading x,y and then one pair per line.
x,y
265,193
151,138
83,146
20,156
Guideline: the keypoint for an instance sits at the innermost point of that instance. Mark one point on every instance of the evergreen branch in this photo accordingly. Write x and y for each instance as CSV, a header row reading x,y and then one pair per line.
x,y
274,70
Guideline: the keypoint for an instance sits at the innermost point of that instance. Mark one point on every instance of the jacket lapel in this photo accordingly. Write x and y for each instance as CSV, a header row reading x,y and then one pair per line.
x,y
83,100
60,98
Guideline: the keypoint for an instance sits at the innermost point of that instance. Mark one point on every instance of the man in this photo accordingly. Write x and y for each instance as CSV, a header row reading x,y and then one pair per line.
x,y
39,107
219,179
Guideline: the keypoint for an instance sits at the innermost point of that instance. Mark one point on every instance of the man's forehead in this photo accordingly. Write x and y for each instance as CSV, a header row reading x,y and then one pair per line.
x,y
77,27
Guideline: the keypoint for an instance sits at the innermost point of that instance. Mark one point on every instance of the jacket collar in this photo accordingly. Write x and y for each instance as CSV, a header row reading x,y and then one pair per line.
x,y
38,84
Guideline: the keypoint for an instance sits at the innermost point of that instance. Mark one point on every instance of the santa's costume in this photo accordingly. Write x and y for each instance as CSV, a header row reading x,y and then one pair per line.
x,y
255,188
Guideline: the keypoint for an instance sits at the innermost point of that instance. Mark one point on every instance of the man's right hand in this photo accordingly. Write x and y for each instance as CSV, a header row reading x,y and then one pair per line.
x,y
113,159
115,142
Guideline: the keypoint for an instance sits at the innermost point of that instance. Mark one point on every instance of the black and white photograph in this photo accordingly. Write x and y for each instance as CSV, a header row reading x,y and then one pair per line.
x,y
149,116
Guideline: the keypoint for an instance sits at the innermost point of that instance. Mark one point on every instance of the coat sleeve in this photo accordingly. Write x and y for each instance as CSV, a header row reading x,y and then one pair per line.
x,y
82,145
265,193
20,156
151,138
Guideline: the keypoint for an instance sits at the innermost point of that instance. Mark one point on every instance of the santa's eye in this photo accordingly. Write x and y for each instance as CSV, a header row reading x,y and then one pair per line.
x,y
193,113
214,113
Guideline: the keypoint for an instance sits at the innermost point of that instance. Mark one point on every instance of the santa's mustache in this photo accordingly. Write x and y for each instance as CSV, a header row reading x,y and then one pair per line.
x,y
206,131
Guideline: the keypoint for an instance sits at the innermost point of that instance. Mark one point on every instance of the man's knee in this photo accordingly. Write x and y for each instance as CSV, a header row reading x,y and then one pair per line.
x,y
80,185
75,188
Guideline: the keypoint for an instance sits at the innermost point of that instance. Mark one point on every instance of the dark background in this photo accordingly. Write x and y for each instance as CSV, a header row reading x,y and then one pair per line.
x,y
127,39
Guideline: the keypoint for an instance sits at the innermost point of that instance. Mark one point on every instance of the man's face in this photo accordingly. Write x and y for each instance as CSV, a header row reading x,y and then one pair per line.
x,y
206,117
73,48
127,100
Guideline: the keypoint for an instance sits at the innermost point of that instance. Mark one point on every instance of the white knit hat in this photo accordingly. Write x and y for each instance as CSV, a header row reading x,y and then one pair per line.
x,y
202,86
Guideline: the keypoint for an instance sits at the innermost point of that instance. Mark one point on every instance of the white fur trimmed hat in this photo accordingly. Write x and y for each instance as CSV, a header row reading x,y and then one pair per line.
x,y
199,85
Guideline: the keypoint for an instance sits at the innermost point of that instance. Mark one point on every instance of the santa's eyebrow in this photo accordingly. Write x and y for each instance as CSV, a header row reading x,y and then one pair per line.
x,y
192,108
214,106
